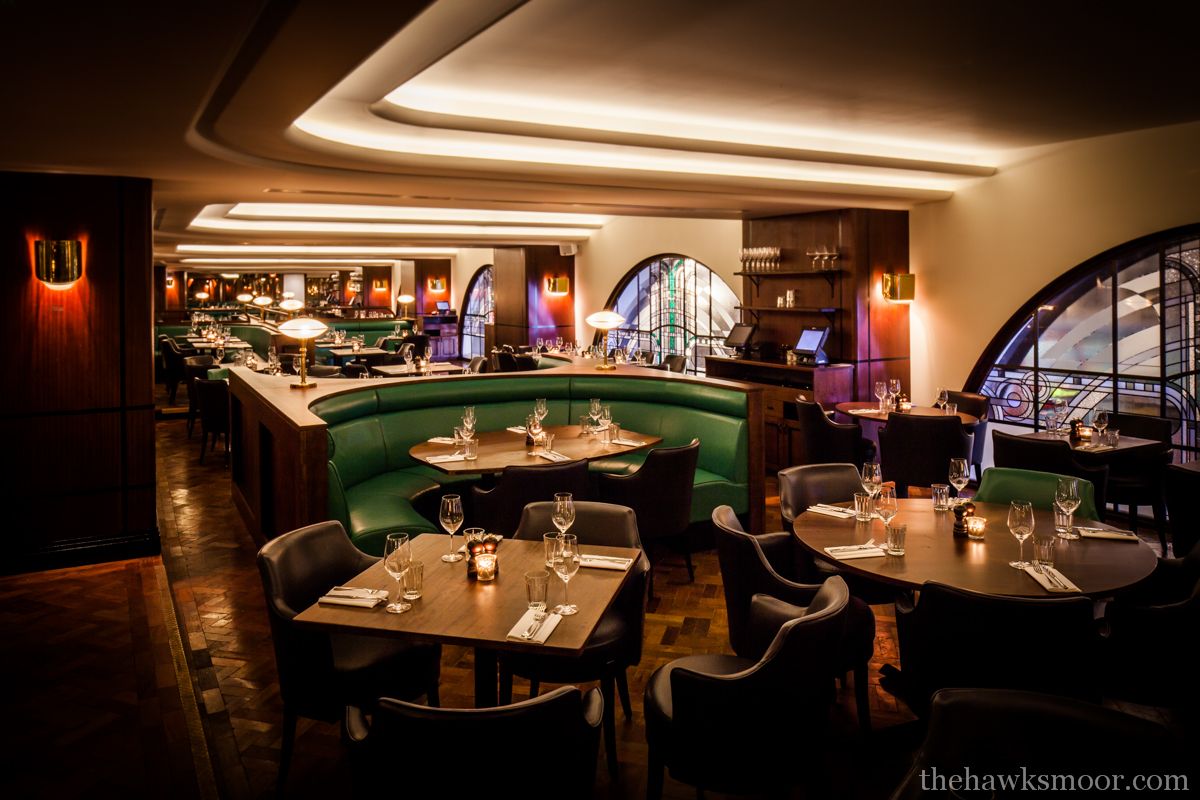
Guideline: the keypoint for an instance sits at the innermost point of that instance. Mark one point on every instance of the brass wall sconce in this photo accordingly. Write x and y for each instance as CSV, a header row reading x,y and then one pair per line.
x,y
379,285
558,287
58,263
170,281
436,285
899,288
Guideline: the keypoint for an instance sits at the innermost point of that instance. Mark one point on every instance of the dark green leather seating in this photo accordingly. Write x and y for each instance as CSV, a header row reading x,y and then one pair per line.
x,y
373,481
372,330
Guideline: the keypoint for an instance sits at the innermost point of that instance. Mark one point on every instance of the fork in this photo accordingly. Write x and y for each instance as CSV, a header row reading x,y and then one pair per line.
x,y
538,618
1050,576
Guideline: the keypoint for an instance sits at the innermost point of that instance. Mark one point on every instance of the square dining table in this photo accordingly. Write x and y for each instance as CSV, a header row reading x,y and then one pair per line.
x,y
456,610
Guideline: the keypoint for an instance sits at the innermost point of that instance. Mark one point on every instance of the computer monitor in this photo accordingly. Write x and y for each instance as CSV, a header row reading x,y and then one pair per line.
x,y
739,335
443,306
809,345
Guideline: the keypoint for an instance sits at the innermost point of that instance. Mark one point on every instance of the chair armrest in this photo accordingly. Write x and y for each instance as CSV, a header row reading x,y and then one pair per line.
x,y
593,708
777,548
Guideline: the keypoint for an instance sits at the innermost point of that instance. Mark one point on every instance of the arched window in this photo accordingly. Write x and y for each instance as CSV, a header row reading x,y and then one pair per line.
x,y
1118,332
479,310
673,305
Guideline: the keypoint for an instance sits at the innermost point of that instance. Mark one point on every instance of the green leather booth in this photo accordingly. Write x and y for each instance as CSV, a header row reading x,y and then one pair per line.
x,y
373,482
256,336
372,330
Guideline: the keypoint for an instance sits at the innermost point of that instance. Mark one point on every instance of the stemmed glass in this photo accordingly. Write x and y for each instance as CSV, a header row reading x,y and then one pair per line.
x,y
872,479
558,344
887,506
893,391
408,358
943,397
540,409
540,343
594,411
960,474
563,515
1061,413
605,417
468,420
1020,525
451,517
1100,420
881,392
1066,498
397,556
566,564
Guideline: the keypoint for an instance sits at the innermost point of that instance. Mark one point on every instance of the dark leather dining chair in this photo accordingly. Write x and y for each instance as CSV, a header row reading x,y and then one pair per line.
x,y
816,439
977,405
1137,478
616,644
354,369
506,362
320,675
748,568
1000,732
324,371
675,363
701,709
194,367
1181,487
916,451
479,751
660,493
499,509
478,365
212,399
173,357
1044,455
953,638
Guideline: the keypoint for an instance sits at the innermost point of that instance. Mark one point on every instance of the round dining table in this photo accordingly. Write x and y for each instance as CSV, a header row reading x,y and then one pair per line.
x,y
863,410
1098,567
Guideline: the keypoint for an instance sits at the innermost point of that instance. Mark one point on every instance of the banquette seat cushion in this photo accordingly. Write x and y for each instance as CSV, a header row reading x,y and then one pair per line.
x,y
373,482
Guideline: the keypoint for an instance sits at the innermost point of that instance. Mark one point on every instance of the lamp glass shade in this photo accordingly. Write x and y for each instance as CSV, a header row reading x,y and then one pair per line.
x,y
406,299
604,320
58,262
202,295
245,297
303,328
288,295
264,300
291,305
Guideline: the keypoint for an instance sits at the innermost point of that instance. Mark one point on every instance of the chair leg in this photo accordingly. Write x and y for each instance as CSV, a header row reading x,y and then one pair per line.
x,y
687,555
534,687
433,694
285,750
654,774
506,679
1160,522
862,699
623,691
203,443
608,691
1133,517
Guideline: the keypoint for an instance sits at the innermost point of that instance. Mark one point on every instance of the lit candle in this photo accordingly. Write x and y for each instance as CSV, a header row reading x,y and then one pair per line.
x,y
906,406
1085,433
975,527
485,566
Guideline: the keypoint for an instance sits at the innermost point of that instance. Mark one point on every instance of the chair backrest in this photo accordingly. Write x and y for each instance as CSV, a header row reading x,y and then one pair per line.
x,y
419,341
478,364
787,692
916,451
1043,455
499,509
494,740
406,347
296,569
212,401
976,405
1143,426
807,485
393,358
675,363
353,370
1005,732
506,361
1005,484
820,440
745,571
198,361
324,370
660,492
524,363
957,638
1182,488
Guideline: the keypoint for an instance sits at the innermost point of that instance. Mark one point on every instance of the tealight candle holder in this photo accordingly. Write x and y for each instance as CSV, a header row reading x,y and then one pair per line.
x,y
1085,433
906,406
976,527
486,566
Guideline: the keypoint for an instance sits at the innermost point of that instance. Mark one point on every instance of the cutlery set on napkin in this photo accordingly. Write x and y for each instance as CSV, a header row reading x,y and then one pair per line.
x,y
1051,579
515,429
550,455
832,511
604,562
1095,448
627,442
357,596
534,626
1104,533
442,459
847,551
443,440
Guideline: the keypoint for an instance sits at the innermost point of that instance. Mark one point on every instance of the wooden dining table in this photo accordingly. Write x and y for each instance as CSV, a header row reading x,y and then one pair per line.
x,y
455,610
405,370
500,449
869,412
1098,567
1093,455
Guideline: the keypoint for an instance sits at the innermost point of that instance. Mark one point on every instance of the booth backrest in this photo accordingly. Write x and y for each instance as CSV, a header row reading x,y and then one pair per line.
x,y
372,330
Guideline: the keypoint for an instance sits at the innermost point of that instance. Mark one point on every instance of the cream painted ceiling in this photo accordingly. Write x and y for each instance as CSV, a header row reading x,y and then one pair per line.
x,y
654,108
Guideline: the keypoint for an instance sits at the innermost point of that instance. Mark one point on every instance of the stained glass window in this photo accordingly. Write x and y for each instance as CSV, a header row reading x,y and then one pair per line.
x,y
1118,332
673,305
480,311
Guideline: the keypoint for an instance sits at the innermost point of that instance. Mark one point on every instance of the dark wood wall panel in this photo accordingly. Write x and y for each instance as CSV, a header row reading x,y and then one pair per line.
x,y
81,416
509,284
548,315
373,297
428,269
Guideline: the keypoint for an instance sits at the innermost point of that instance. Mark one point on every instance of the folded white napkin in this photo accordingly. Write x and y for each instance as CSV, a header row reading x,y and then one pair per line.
x,y
1064,585
442,459
553,456
443,440
627,442
1094,448
351,600
867,411
548,625
604,562
842,513
854,551
515,429
1101,533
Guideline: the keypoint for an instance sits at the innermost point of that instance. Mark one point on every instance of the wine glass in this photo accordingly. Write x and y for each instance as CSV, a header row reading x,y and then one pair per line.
x,y
960,474
1100,420
451,517
563,515
1061,413
558,343
540,409
605,417
408,358
540,343
428,353
881,392
566,564
594,411
1020,525
893,391
943,397
296,364
397,555
872,479
1066,498
887,506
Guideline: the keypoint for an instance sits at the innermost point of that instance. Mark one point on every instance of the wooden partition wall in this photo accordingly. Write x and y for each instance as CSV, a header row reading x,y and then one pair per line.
x,y
78,403
525,310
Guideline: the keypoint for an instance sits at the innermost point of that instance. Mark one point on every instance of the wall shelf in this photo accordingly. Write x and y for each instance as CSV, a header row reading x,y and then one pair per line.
x,y
830,275
829,312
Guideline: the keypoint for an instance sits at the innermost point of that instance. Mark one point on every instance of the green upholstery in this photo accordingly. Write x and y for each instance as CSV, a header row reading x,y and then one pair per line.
x,y
373,481
258,337
219,374
1003,485
372,330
